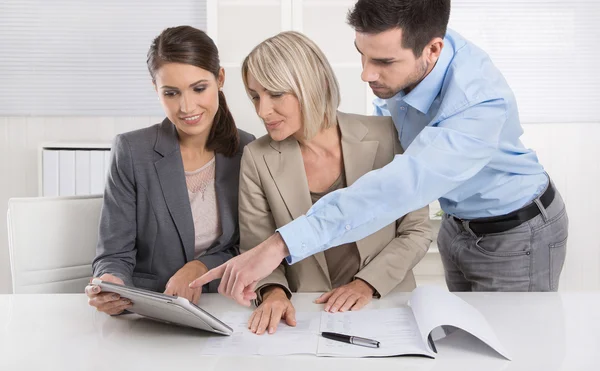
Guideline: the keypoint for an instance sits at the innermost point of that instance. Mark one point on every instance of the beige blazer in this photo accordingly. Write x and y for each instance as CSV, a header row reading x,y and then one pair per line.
x,y
274,191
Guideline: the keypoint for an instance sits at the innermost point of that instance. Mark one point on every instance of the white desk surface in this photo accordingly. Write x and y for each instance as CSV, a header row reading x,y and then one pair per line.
x,y
542,331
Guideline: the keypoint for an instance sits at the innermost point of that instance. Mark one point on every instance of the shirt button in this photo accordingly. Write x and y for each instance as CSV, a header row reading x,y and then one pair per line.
x,y
303,245
403,108
348,227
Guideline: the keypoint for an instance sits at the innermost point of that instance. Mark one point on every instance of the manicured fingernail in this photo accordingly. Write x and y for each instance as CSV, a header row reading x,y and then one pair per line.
x,y
327,308
271,330
96,289
115,296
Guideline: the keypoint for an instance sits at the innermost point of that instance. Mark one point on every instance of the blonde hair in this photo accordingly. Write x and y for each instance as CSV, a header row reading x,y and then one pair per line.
x,y
292,63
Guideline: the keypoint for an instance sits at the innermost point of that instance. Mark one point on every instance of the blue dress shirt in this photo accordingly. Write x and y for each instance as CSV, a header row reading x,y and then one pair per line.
x,y
460,128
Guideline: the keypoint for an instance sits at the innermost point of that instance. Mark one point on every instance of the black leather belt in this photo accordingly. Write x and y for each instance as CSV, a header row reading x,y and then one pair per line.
x,y
502,223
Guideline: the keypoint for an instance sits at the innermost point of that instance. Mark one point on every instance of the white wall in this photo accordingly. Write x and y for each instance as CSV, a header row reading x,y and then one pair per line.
x,y
568,151
570,154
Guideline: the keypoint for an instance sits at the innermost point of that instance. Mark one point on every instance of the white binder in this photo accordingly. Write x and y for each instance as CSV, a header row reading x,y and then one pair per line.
x,y
82,172
50,173
66,172
97,175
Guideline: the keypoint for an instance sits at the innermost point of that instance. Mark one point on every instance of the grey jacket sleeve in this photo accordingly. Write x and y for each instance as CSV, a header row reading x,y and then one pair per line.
x,y
116,252
214,260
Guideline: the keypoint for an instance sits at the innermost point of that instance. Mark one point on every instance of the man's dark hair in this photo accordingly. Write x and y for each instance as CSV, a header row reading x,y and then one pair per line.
x,y
420,20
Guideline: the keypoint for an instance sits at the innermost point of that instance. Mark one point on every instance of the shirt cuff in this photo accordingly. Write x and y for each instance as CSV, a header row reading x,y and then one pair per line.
x,y
300,239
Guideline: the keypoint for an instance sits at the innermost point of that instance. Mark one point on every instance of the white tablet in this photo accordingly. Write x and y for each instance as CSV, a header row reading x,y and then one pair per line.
x,y
166,308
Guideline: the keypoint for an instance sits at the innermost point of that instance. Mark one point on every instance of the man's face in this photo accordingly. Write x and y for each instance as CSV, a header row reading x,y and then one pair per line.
x,y
387,67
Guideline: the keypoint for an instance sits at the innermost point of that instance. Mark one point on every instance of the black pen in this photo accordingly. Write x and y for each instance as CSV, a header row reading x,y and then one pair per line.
x,y
351,339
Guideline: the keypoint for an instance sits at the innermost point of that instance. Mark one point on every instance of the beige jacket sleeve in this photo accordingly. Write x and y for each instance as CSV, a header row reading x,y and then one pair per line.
x,y
413,237
256,219
391,265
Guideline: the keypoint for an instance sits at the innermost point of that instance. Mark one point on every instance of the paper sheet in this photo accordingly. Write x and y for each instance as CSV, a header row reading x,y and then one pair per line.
x,y
301,339
400,331
395,329
434,307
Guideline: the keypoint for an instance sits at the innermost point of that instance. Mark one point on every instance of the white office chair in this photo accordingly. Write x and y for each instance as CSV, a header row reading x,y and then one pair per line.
x,y
52,242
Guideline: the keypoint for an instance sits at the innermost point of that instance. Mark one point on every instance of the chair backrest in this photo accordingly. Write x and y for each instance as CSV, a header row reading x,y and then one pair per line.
x,y
52,242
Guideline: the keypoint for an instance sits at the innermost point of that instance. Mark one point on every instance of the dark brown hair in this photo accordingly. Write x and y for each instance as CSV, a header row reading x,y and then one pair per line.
x,y
420,20
189,45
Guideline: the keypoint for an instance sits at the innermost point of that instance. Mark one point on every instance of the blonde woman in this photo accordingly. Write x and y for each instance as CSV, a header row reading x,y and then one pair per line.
x,y
312,149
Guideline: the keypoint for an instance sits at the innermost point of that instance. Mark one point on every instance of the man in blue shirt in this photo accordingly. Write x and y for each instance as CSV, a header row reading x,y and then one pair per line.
x,y
505,224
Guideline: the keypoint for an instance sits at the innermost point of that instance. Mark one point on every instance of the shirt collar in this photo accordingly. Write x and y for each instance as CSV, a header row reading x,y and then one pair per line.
x,y
423,95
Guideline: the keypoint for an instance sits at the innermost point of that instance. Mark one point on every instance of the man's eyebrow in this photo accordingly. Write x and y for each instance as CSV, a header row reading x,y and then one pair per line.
x,y
379,60
383,60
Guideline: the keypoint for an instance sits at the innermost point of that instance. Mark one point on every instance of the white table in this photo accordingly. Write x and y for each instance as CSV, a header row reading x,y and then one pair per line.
x,y
542,331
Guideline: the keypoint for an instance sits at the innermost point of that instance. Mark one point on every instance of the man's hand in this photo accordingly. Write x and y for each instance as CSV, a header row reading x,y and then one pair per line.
x,y
352,296
178,285
275,307
107,302
240,275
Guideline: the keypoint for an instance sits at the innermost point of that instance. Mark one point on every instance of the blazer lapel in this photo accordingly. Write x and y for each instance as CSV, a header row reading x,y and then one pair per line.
x,y
227,195
358,155
286,167
171,176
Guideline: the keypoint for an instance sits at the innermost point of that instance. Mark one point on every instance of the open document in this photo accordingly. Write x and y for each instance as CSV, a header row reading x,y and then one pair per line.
x,y
401,331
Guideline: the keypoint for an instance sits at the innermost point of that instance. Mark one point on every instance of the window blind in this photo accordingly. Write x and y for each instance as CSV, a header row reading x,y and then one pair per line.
x,y
84,57
546,49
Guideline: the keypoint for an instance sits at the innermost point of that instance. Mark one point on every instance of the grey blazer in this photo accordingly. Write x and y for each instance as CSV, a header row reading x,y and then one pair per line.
x,y
146,228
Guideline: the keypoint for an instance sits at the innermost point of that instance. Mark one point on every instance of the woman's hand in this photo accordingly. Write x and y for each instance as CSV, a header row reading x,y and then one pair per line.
x,y
107,302
352,296
179,284
275,307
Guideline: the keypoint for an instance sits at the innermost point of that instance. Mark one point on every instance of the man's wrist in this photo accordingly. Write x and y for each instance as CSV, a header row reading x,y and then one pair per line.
x,y
279,246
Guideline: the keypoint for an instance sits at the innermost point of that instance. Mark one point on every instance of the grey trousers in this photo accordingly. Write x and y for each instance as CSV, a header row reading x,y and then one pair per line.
x,y
528,257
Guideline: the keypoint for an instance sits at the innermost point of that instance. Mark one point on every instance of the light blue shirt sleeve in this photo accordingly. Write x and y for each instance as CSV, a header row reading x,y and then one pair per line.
x,y
440,158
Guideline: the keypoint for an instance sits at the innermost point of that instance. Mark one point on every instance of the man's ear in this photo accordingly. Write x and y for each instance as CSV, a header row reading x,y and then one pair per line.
x,y
434,49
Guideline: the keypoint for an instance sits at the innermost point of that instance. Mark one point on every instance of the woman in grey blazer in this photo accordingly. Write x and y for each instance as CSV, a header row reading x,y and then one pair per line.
x,y
170,208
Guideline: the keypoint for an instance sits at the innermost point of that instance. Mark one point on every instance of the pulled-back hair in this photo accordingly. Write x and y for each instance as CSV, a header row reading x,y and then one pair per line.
x,y
189,45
